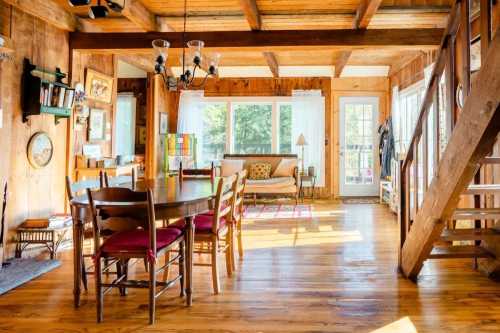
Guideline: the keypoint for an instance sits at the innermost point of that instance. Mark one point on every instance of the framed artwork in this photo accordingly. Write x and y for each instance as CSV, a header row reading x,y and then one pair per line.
x,y
163,123
40,150
97,125
98,86
142,134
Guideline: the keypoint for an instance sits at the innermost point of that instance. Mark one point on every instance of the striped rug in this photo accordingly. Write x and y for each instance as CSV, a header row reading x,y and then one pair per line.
x,y
265,212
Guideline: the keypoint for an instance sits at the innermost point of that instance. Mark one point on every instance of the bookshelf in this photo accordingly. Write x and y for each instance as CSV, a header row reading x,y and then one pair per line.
x,y
45,93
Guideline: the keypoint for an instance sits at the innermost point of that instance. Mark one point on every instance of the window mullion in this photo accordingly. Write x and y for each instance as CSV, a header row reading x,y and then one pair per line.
x,y
274,128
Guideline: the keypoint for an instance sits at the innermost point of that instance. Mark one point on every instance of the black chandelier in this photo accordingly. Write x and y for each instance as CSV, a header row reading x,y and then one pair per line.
x,y
194,54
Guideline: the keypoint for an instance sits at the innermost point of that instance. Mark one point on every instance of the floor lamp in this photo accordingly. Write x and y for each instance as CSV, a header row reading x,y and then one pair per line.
x,y
301,142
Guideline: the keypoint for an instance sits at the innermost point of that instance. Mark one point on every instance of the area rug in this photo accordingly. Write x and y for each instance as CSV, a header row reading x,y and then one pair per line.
x,y
20,271
361,200
264,212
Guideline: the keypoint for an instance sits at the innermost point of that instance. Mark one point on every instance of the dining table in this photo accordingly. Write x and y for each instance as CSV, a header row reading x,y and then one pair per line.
x,y
174,197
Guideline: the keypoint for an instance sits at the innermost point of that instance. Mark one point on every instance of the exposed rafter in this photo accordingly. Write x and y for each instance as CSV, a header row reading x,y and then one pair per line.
x,y
135,11
252,14
267,40
272,62
365,12
140,61
341,62
48,11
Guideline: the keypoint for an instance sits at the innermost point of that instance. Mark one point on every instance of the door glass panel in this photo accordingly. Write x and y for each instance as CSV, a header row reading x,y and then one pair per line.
x,y
359,144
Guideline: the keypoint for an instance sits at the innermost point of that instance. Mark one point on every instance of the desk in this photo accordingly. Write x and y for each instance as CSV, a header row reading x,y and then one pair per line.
x,y
173,198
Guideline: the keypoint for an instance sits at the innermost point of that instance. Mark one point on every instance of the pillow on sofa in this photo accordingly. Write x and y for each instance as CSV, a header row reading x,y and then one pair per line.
x,y
260,170
285,168
230,167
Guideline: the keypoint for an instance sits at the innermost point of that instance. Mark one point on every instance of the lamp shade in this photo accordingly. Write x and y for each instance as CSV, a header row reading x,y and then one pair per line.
x,y
301,141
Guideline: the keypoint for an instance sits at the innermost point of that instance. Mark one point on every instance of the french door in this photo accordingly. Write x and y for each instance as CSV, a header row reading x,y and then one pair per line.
x,y
359,161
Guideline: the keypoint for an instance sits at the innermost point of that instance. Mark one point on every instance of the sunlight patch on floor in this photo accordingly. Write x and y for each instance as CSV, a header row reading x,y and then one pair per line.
x,y
403,325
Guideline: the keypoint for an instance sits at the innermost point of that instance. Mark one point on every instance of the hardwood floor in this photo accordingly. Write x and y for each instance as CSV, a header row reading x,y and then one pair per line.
x,y
335,272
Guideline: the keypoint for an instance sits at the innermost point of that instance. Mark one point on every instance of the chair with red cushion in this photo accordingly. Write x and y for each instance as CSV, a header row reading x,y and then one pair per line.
x,y
213,232
136,237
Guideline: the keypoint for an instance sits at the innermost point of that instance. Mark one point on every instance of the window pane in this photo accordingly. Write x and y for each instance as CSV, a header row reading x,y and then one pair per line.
x,y
252,128
214,132
285,128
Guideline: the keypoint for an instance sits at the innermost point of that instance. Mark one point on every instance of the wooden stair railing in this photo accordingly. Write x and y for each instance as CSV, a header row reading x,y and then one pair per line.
x,y
428,200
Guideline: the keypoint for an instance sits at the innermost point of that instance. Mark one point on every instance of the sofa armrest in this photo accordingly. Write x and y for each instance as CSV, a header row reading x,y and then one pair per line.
x,y
296,175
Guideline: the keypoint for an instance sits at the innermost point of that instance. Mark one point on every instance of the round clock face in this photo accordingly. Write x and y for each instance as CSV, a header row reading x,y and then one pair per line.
x,y
40,150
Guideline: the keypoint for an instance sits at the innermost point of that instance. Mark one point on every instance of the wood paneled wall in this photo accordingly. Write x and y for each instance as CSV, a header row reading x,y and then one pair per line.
x,y
106,64
32,192
412,72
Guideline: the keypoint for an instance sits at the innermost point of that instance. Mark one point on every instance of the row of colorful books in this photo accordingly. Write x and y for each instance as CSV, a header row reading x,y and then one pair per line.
x,y
56,96
180,144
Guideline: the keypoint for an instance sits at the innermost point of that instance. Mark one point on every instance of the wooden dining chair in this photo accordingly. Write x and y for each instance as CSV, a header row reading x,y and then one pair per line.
x,y
129,241
238,211
120,180
213,232
197,173
79,188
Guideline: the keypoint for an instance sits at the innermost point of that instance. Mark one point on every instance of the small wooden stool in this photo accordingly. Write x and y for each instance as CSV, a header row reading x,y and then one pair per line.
x,y
39,231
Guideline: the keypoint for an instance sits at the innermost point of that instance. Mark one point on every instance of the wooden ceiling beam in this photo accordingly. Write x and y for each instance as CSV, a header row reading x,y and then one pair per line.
x,y
272,62
136,12
251,13
341,62
140,61
48,11
278,39
365,12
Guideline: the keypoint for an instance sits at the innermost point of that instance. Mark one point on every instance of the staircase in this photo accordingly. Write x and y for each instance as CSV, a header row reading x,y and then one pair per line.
x,y
431,187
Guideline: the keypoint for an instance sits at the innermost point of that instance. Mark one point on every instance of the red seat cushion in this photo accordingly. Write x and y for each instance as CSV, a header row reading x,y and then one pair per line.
x,y
203,223
138,240
211,211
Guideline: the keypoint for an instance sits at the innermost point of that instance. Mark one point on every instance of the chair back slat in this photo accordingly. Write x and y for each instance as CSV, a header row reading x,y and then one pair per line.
x,y
78,188
225,194
239,193
197,173
116,202
120,180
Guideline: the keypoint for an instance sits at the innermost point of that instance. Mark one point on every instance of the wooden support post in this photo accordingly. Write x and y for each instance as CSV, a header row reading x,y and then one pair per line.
x,y
402,217
465,27
485,27
451,86
415,178
437,140
425,161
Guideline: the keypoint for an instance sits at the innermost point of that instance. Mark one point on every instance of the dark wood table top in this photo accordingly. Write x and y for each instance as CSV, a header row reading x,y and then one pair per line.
x,y
170,191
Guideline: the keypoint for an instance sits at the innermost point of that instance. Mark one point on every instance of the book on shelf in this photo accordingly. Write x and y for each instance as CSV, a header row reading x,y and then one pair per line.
x,y
68,98
62,94
48,99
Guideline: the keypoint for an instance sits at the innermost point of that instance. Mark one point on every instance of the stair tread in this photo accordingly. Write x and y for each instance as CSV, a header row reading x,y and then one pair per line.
x,y
476,213
483,189
468,234
491,160
459,251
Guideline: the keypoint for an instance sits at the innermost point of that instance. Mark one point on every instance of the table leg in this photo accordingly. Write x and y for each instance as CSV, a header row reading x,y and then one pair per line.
x,y
189,259
77,260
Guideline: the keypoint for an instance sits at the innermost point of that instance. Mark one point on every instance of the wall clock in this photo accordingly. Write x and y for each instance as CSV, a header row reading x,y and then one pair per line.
x,y
40,150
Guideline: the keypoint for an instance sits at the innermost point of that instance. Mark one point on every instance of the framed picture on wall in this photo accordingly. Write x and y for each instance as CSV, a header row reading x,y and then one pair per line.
x,y
97,125
98,86
163,123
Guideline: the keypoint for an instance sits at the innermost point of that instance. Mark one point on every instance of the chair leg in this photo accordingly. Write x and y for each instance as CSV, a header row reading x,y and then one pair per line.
x,y
233,246
255,199
84,275
146,267
182,268
98,290
215,269
152,292
229,250
240,240
166,272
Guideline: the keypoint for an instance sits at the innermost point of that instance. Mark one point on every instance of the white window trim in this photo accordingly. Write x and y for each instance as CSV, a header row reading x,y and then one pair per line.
x,y
275,101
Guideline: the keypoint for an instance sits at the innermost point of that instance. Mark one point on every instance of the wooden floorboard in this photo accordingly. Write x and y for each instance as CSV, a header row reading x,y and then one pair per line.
x,y
335,272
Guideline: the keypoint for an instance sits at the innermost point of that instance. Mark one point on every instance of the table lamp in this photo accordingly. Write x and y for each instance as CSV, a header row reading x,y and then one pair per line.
x,y
301,142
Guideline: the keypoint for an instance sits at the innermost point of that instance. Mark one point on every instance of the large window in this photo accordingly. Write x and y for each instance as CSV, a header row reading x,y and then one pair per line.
x,y
252,128
285,128
214,131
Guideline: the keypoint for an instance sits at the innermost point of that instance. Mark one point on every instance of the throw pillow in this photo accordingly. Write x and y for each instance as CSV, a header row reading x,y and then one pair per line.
x,y
230,167
285,168
260,170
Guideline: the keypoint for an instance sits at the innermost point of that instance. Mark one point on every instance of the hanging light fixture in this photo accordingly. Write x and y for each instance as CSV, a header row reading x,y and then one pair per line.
x,y
192,59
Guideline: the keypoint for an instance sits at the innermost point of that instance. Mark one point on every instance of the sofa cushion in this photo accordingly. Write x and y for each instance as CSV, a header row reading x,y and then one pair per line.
x,y
271,182
285,168
230,167
260,171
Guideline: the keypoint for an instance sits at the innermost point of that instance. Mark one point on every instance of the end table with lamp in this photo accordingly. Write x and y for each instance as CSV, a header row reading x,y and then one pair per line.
x,y
309,177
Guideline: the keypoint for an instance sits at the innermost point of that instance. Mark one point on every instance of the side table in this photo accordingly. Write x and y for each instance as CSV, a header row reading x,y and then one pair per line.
x,y
307,178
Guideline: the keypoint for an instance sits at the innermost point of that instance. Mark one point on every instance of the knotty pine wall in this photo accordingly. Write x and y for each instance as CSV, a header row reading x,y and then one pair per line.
x,y
32,192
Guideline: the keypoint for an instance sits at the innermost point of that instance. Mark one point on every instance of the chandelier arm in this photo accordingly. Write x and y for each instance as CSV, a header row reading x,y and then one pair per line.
x,y
202,82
